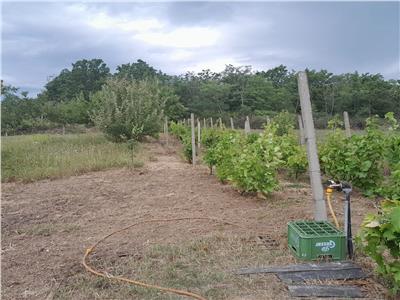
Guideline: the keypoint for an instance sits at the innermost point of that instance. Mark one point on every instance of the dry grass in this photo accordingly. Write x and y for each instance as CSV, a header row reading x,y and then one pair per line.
x,y
204,266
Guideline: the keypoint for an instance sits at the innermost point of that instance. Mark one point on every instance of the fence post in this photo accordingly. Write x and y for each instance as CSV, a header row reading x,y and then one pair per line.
x,y
198,136
347,123
301,130
232,127
211,120
166,130
247,125
193,140
313,162
204,123
220,123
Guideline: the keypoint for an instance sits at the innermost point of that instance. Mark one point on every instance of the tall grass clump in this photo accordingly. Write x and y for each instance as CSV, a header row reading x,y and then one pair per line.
x,y
33,157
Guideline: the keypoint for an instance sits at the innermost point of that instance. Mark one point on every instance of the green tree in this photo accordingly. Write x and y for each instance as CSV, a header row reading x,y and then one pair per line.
x,y
128,110
86,76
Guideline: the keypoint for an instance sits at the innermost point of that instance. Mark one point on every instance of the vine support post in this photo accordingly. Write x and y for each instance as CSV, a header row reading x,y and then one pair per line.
x,y
247,125
198,136
347,123
301,130
312,153
193,140
166,130
232,126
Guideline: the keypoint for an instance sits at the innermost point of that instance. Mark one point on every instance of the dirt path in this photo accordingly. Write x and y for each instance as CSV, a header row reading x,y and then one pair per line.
x,y
47,225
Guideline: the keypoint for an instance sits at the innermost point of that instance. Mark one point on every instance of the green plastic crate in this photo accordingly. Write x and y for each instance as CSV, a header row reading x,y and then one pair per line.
x,y
314,240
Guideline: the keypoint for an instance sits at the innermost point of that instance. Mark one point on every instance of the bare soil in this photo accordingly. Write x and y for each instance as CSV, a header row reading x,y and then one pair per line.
x,y
48,225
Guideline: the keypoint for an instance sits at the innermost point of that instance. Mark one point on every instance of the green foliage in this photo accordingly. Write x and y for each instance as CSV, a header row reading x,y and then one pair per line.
x,y
70,112
358,159
393,123
283,123
237,91
335,122
380,239
126,110
185,136
297,163
86,76
178,129
249,162
255,164
226,150
293,156
391,188
209,139
139,70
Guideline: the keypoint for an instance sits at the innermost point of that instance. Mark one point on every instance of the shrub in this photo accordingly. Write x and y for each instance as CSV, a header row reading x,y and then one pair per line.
x,y
284,122
255,165
185,136
379,238
209,139
226,150
126,110
358,159
293,156
179,130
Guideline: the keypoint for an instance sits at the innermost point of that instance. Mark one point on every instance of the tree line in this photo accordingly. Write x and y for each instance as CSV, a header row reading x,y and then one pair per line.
x,y
236,92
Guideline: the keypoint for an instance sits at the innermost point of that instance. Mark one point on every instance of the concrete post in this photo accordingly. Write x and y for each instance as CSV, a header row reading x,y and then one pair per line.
x,y
313,162
301,130
347,123
198,136
193,140
247,125
166,130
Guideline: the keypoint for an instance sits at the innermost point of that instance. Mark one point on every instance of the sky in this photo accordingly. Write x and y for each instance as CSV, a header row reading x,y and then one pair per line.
x,y
40,39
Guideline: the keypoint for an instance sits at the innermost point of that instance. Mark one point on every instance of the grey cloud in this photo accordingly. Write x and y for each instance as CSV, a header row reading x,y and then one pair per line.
x,y
199,13
40,39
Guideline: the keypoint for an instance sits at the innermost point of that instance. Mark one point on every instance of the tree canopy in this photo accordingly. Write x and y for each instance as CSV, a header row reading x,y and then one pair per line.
x,y
236,91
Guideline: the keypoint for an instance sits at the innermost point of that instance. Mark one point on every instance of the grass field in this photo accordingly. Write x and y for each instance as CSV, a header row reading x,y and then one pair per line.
x,y
40,156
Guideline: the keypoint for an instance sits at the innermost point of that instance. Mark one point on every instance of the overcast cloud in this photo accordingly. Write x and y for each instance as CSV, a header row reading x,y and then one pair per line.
x,y
40,39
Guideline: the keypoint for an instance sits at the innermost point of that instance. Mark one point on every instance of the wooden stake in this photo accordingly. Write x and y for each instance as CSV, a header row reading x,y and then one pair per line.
x,y
301,130
193,140
313,162
232,126
212,125
347,123
204,123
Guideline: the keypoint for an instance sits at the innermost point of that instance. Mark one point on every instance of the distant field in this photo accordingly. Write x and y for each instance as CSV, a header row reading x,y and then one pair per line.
x,y
33,157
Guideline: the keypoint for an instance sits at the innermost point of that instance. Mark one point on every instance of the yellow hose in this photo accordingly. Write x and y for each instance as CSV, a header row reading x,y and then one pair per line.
x,y
328,197
136,282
